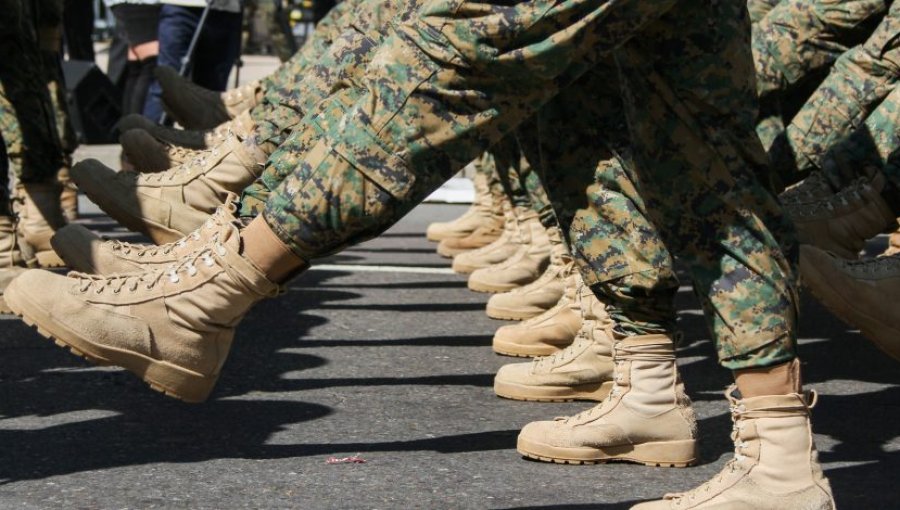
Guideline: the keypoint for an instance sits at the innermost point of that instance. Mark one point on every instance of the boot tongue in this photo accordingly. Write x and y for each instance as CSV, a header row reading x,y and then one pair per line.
x,y
230,238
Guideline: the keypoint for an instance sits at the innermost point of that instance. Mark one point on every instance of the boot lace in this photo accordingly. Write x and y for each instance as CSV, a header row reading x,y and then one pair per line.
x,y
852,194
227,209
571,352
812,189
884,266
200,160
735,464
148,280
551,273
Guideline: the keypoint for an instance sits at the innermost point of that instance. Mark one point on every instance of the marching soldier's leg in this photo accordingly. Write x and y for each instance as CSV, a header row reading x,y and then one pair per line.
x,y
25,85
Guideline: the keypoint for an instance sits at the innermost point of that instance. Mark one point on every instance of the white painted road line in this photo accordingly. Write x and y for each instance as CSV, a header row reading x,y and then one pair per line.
x,y
382,269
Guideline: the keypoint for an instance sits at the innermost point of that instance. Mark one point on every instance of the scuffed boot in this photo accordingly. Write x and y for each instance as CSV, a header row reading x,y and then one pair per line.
x,y
525,266
170,326
478,214
647,417
581,371
168,205
547,333
40,215
484,235
864,294
12,264
540,295
503,248
843,222
147,154
68,197
775,464
87,252
195,107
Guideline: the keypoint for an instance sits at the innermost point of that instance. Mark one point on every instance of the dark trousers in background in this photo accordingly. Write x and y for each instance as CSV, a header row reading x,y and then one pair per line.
x,y
217,49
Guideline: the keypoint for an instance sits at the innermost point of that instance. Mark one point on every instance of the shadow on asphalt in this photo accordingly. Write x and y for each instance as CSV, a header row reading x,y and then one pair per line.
x,y
141,427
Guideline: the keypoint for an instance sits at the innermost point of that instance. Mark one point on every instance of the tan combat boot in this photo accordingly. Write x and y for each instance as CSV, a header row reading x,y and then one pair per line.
x,y
187,138
12,263
540,295
484,235
170,326
843,222
68,197
647,417
479,213
503,248
547,333
775,464
581,371
87,252
147,154
525,266
168,205
864,294
195,107
40,215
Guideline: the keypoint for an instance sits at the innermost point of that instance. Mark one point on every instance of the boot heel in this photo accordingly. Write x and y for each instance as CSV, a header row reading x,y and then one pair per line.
x,y
178,383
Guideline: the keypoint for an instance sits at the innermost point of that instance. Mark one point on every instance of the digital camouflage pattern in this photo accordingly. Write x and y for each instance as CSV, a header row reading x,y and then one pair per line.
x,y
447,84
798,41
868,150
25,87
280,109
860,79
759,8
342,66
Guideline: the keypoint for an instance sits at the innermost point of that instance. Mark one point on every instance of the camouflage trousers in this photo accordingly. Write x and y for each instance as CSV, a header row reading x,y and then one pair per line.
x,y
334,58
795,44
27,76
341,65
759,8
451,82
860,80
513,176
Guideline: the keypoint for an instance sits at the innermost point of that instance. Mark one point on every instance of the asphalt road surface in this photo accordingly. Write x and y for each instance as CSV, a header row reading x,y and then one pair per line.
x,y
381,353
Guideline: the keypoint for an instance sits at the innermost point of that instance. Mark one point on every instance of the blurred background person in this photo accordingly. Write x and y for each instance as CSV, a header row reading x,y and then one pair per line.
x,y
217,50
137,23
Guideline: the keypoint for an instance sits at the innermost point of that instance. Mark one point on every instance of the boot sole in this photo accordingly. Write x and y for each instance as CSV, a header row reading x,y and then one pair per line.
x,y
163,377
449,253
525,351
846,312
436,238
464,269
681,453
595,392
490,288
513,314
